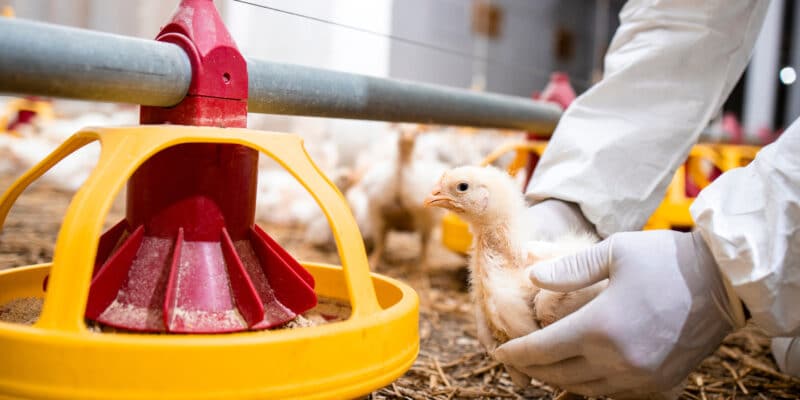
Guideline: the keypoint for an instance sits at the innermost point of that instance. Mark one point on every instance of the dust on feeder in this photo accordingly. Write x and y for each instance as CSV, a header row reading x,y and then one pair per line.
x,y
23,310
26,311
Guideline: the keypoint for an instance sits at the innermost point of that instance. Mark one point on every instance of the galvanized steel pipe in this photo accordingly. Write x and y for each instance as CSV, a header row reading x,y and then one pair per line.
x,y
298,90
50,60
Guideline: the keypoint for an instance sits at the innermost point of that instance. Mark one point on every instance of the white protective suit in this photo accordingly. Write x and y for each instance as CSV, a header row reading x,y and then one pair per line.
x,y
670,66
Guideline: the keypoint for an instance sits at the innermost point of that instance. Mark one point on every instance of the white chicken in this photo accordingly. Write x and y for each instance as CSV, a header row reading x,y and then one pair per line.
x,y
281,199
396,189
318,232
37,139
505,299
507,304
455,146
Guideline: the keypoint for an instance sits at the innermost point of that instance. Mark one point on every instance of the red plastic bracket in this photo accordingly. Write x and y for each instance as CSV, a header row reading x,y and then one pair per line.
x,y
560,92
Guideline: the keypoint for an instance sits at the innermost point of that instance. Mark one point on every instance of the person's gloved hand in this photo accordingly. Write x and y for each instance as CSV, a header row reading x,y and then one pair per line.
x,y
548,219
665,309
552,218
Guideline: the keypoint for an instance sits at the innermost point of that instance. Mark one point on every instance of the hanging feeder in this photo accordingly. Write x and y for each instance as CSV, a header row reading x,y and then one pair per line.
x,y
59,357
187,268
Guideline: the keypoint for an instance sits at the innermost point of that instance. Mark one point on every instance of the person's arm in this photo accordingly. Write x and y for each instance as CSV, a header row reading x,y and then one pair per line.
x,y
670,66
669,301
750,219
666,308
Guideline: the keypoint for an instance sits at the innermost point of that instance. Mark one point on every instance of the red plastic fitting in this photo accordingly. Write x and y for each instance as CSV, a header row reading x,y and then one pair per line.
x,y
560,92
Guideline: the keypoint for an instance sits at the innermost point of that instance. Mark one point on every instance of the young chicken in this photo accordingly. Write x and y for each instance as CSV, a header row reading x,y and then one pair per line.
x,y
507,304
505,300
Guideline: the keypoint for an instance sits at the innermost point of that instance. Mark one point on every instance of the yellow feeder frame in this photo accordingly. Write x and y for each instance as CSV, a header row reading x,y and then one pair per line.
x,y
673,212
59,358
455,232
735,156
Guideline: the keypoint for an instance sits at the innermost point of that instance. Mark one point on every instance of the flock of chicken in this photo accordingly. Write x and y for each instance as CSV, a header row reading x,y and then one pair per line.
x,y
27,143
401,182
385,185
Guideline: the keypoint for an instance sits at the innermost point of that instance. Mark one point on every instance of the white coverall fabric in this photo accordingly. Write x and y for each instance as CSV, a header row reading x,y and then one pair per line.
x,y
750,218
669,67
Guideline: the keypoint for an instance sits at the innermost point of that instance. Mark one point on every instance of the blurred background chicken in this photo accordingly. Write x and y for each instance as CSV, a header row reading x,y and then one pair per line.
x,y
365,176
37,135
396,189
505,300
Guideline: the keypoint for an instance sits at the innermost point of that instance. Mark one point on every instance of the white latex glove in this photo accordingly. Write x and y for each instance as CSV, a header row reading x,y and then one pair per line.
x,y
786,351
665,309
552,218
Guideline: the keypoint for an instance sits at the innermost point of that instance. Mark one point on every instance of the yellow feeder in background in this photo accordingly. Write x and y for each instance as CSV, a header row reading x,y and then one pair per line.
x,y
673,212
7,12
20,111
735,156
58,357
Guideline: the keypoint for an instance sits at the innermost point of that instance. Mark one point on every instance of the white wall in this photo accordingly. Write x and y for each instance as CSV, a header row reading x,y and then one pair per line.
x,y
520,60
132,18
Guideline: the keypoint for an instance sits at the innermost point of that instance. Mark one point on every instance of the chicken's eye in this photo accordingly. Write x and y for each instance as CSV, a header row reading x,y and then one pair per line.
x,y
462,187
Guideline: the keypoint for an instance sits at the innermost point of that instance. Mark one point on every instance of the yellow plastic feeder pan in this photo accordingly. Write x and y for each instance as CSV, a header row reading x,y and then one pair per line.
x,y
60,358
673,212
455,232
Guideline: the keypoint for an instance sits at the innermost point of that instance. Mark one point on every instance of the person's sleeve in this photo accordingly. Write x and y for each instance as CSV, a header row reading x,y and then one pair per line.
x,y
669,67
750,219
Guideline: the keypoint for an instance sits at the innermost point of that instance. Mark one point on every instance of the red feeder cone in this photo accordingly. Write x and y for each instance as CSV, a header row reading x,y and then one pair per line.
x,y
188,257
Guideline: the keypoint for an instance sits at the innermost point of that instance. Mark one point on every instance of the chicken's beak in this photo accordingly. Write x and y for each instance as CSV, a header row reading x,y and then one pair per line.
x,y
438,199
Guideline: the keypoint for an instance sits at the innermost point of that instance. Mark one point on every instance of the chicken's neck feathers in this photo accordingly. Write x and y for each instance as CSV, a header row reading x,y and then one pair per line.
x,y
500,243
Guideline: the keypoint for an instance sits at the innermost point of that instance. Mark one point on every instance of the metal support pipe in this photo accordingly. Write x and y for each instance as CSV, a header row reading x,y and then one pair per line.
x,y
50,60
297,90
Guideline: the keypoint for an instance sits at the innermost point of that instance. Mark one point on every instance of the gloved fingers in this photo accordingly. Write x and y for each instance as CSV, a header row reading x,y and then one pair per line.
x,y
593,388
572,371
639,395
559,341
518,377
574,271
625,385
